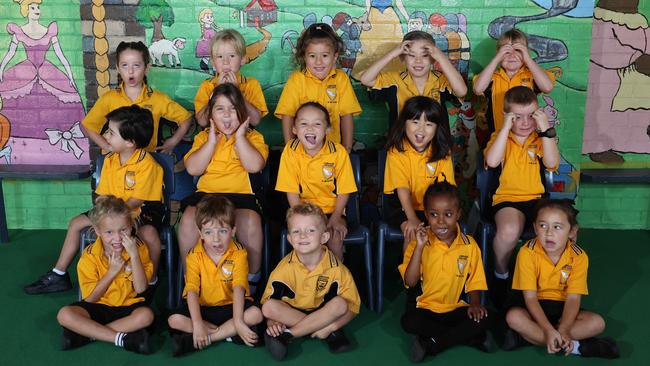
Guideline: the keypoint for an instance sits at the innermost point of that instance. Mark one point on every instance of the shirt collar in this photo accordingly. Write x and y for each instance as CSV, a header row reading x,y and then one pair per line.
x,y
145,93
324,264
504,75
331,74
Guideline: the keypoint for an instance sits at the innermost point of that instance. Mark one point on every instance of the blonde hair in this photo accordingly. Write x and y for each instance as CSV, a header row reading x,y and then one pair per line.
x,y
202,13
232,36
213,207
511,36
24,5
308,209
109,206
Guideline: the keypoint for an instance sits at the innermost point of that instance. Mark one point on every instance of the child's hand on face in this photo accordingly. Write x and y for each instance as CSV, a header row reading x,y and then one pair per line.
x,y
242,129
410,228
213,134
504,51
274,328
130,245
434,52
541,119
522,50
227,77
421,236
115,263
477,312
403,48
508,120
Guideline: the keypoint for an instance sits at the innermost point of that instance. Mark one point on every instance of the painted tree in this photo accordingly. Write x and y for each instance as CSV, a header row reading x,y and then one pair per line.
x,y
154,14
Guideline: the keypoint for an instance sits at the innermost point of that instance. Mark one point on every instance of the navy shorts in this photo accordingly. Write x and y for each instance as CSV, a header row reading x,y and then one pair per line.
x,y
215,315
104,314
525,207
241,201
395,215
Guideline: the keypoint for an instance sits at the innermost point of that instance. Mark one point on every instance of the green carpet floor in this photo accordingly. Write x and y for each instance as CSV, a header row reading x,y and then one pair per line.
x,y
619,282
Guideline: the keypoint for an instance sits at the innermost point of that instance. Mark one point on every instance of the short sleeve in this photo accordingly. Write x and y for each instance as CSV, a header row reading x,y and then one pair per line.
x,y
385,80
192,274
199,140
87,274
103,186
240,275
577,282
493,137
348,103
443,83
290,98
149,181
408,253
174,112
344,176
476,280
147,265
254,95
288,179
397,174
525,277
202,96
447,168
257,140
96,116
275,276
349,292
551,76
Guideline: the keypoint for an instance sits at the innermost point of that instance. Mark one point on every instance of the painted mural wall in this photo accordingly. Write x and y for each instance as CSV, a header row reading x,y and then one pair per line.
x,y
50,72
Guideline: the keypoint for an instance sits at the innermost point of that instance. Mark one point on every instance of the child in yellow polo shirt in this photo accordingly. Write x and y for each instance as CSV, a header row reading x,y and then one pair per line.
x,y
551,278
418,154
522,148
318,80
226,156
218,303
129,173
418,52
113,273
132,66
227,53
515,67
442,263
310,292
316,170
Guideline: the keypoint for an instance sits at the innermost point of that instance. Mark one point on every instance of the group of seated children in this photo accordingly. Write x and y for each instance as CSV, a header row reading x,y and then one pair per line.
x,y
310,292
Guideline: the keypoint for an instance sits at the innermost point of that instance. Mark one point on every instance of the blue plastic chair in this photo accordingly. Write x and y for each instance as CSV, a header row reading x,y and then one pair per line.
x,y
487,182
166,233
357,233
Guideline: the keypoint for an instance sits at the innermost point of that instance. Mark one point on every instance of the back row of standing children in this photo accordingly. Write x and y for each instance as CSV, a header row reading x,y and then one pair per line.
x,y
317,108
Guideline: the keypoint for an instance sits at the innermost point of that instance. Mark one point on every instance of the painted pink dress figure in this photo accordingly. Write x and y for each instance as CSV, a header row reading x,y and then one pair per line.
x,y
618,108
208,31
41,102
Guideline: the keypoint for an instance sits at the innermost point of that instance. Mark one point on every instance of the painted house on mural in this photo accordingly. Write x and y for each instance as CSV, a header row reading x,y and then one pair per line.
x,y
261,12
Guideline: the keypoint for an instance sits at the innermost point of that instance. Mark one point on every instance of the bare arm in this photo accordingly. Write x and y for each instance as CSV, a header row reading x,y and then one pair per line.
x,y
369,76
551,156
287,128
249,156
569,313
253,113
347,131
134,203
202,116
198,161
542,80
494,156
485,77
97,139
412,273
293,198
140,282
173,140
456,81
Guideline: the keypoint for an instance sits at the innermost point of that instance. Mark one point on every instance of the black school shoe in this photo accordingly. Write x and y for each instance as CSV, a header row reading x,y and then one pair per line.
x,y
513,340
71,340
182,343
278,346
48,283
484,343
337,342
137,342
420,347
599,347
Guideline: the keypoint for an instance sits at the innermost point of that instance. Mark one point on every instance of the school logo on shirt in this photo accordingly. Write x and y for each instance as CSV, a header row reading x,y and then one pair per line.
x,y
431,169
321,283
526,82
129,180
461,262
331,93
227,269
565,273
532,154
128,271
328,171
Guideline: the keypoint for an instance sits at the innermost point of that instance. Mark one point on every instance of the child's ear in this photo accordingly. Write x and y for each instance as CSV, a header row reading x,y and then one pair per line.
x,y
325,237
234,231
573,234
243,61
130,143
293,129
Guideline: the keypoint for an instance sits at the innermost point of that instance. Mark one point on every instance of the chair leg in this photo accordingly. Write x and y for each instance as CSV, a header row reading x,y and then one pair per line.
x,y
381,236
368,258
170,251
283,244
266,261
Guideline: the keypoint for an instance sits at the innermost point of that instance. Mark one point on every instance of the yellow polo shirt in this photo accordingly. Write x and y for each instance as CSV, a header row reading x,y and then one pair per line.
x,y
319,179
534,271
214,282
447,271
156,101
436,83
225,173
334,92
501,83
93,265
249,87
520,178
307,290
410,169
140,177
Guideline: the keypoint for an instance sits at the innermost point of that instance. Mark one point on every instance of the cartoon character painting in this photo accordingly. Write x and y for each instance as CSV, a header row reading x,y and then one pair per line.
x,y
208,30
40,101
617,115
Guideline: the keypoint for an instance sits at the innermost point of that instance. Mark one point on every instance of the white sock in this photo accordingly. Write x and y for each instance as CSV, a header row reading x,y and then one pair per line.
x,y
501,276
576,348
154,280
60,273
119,339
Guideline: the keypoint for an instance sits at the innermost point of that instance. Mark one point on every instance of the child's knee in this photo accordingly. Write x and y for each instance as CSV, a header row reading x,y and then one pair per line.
x,y
253,315
596,323
509,231
65,316
515,317
338,305
143,316
174,321
270,308
188,216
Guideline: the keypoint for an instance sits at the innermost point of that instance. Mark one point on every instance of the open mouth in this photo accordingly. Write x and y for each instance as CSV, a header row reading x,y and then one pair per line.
x,y
311,139
419,139
441,231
